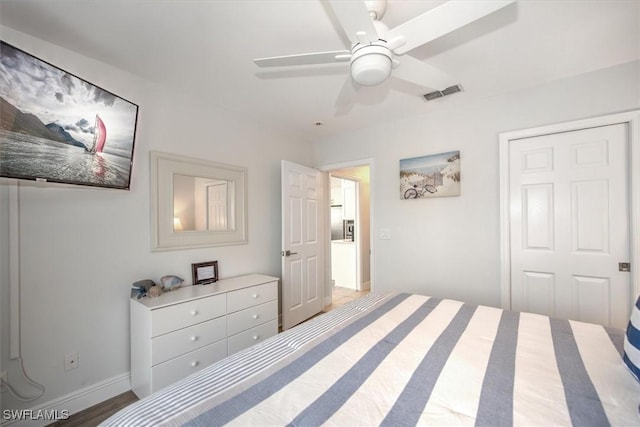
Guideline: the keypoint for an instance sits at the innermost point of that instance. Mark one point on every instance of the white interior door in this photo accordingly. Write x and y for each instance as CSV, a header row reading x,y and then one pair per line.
x,y
302,243
217,213
569,221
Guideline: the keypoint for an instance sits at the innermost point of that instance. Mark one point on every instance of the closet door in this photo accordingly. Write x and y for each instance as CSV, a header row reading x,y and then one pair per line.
x,y
569,223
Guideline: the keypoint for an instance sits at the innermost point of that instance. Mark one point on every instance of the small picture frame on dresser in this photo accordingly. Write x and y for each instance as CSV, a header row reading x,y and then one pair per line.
x,y
204,272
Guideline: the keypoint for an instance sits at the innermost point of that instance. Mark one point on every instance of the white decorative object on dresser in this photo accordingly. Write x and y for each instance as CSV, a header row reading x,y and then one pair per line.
x,y
183,331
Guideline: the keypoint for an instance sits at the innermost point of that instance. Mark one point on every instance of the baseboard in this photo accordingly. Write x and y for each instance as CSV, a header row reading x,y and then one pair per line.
x,y
77,401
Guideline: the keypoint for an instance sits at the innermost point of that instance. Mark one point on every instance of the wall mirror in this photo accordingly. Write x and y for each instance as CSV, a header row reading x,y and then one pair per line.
x,y
196,203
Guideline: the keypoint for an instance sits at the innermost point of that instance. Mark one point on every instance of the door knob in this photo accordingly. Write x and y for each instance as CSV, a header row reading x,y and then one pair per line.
x,y
288,253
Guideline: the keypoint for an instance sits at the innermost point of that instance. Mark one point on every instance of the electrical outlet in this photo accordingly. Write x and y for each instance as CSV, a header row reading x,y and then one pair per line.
x,y
71,361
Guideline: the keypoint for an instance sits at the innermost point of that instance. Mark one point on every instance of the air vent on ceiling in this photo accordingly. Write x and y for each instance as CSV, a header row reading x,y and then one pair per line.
x,y
440,93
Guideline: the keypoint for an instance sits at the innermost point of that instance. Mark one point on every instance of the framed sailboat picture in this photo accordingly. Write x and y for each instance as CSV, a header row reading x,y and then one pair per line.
x,y
57,127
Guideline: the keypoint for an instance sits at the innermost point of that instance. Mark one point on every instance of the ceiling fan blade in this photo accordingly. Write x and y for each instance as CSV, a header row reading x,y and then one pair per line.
x,y
346,97
305,59
414,71
355,20
442,20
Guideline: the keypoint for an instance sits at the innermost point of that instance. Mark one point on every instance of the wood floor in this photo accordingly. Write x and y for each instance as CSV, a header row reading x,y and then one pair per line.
x,y
94,415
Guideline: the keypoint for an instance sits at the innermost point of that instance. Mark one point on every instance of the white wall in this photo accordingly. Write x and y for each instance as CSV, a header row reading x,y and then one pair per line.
x,y
81,248
449,247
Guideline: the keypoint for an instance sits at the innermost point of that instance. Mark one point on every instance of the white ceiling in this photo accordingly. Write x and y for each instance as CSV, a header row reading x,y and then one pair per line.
x,y
207,47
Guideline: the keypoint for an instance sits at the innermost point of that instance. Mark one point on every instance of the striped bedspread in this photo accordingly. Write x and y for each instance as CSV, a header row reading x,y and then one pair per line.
x,y
403,359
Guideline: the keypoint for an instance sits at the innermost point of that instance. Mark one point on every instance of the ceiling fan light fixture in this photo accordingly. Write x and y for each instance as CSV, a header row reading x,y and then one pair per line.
x,y
371,65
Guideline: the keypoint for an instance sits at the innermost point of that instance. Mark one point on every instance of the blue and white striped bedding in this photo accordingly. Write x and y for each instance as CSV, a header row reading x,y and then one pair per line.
x,y
403,359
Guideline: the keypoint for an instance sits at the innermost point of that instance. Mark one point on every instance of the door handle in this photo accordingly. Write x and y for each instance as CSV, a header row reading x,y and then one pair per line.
x,y
288,253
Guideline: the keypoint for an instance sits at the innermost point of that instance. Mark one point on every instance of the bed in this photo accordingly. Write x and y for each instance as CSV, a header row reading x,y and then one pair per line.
x,y
404,359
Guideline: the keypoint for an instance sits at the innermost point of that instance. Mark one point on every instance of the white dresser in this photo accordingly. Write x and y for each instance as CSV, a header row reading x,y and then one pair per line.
x,y
183,331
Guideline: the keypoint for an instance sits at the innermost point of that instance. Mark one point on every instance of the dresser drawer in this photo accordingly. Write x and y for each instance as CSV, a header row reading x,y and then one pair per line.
x,y
245,298
168,346
252,336
178,316
252,317
173,370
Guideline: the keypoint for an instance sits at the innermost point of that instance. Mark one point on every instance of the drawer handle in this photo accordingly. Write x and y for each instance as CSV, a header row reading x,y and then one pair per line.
x,y
194,363
255,316
255,295
194,312
194,338
256,337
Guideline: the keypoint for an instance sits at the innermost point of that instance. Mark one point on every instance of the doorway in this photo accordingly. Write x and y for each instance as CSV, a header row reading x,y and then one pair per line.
x,y
306,241
350,223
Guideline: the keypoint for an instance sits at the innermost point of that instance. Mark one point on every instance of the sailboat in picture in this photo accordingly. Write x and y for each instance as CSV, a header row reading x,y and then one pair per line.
x,y
99,136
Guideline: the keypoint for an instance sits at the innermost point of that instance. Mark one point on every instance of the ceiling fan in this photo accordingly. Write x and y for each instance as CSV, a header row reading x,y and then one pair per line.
x,y
377,51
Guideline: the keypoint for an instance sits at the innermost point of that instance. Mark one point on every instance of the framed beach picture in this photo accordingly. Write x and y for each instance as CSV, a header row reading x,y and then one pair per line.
x,y
435,175
57,127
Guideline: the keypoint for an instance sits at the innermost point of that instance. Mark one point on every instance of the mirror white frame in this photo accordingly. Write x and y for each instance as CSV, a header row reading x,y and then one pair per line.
x,y
163,167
